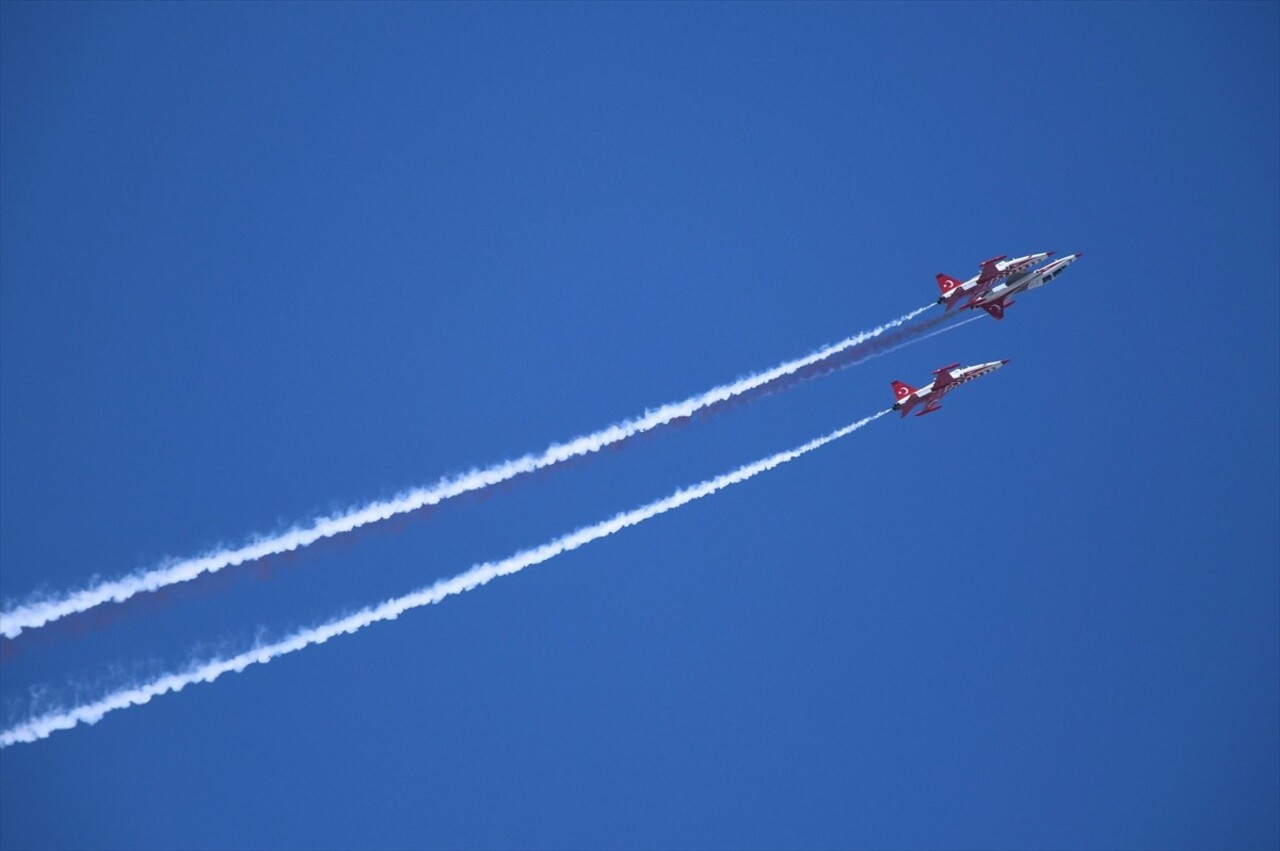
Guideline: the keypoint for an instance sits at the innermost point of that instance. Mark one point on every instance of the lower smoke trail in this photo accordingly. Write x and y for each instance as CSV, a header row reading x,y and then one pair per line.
x,y
38,612
90,713
913,340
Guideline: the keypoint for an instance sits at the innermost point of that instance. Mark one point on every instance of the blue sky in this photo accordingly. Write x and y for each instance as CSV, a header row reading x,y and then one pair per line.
x,y
262,262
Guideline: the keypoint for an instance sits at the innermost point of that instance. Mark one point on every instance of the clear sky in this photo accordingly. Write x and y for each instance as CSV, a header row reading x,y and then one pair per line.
x,y
262,262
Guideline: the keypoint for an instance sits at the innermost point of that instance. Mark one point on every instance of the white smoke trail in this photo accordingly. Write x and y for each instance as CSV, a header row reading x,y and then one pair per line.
x,y
90,713
38,612
953,326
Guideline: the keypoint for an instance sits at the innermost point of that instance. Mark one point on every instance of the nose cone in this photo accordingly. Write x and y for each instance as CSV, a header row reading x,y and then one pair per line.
x,y
1058,265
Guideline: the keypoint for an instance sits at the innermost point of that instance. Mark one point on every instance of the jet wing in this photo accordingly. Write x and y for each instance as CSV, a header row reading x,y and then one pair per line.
x,y
942,377
987,278
990,274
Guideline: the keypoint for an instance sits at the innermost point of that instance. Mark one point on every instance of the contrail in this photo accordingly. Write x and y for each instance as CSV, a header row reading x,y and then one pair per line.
x,y
90,713
915,340
40,611
891,342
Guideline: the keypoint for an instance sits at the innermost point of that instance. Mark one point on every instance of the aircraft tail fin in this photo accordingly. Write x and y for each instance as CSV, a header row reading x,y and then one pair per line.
x,y
996,308
902,397
947,284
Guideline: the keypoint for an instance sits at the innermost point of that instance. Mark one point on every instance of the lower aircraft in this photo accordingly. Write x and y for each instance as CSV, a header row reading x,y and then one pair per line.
x,y
999,279
944,381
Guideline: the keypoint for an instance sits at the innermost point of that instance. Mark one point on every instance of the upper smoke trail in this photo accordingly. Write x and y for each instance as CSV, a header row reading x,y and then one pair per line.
x,y
38,612
91,713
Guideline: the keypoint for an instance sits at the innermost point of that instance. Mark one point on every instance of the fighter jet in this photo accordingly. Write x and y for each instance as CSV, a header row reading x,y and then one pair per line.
x,y
945,380
999,279
991,272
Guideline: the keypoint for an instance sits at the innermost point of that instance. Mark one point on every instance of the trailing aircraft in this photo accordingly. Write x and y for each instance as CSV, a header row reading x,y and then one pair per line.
x,y
944,381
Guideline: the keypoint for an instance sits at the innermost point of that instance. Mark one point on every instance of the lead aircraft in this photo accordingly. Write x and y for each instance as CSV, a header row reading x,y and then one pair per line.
x,y
944,381
999,279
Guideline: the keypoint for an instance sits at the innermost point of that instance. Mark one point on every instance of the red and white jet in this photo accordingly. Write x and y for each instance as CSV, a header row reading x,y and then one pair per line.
x,y
993,287
945,380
